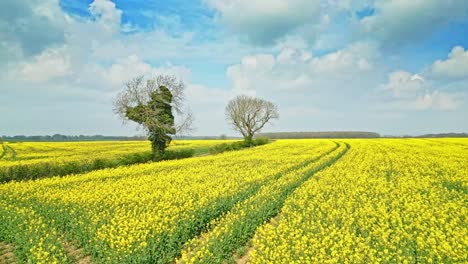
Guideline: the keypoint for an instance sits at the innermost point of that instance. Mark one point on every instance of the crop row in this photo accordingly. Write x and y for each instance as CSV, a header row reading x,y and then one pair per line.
x,y
34,160
142,213
232,231
385,201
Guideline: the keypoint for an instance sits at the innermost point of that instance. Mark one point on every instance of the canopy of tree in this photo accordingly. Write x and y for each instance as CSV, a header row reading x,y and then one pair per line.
x,y
249,115
152,104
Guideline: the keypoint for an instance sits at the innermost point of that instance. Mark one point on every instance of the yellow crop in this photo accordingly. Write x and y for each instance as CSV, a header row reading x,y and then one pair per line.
x,y
29,153
143,211
25,160
390,201
290,201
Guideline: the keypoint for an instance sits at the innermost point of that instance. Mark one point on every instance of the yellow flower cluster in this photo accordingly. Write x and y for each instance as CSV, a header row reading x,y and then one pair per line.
x,y
144,213
26,160
232,230
28,153
385,201
302,201
40,243
31,153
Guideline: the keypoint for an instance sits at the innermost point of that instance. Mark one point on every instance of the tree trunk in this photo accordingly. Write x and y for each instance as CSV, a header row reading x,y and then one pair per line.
x,y
248,140
158,145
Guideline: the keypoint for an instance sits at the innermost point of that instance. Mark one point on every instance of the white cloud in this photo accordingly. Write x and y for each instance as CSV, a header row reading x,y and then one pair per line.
x,y
404,84
355,58
108,15
432,100
456,65
294,69
80,63
410,91
391,22
309,89
265,21
51,63
126,68
399,21
438,100
30,26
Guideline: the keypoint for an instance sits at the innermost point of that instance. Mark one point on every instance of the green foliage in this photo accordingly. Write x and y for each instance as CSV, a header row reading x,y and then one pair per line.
x,y
41,170
178,154
260,141
455,186
156,116
4,151
12,151
7,149
238,145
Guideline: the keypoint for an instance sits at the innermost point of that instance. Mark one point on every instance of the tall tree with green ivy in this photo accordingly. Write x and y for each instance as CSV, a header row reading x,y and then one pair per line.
x,y
153,104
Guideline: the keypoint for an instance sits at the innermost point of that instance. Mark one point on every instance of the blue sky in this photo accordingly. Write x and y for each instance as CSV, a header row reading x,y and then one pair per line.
x,y
393,67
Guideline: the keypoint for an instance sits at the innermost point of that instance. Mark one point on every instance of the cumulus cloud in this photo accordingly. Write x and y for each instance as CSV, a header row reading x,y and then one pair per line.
x,y
308,88
404,84
126,68
108,15
30,26
295,69
390,22
410,91
455,66
436,99
51,63
265,21
399,21
85,69
64,65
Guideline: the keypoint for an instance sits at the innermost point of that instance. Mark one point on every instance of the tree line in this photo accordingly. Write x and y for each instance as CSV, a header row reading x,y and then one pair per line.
x,y
60,137
326,134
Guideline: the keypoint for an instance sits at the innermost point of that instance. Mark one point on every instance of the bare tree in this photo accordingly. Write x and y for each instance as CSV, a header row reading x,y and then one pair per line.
x,y
152,104
248,115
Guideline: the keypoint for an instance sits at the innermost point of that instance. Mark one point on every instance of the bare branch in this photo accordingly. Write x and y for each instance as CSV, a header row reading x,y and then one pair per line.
x,y
184,125
248,115
138,91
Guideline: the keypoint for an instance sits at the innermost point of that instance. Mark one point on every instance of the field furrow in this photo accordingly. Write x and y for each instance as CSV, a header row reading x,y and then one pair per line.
x,y
290,201
230,233
6,254
143,213
389,201
76,255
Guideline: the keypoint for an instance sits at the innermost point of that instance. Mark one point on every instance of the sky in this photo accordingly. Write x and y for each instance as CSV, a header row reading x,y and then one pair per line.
x,y
395,67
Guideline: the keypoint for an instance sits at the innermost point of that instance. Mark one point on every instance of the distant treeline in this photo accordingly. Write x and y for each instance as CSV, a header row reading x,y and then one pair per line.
x,y
327,134
60,138
444,135
272,135
352,134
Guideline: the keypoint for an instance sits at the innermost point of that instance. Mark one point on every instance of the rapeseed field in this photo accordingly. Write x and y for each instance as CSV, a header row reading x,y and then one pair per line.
x,y
290,201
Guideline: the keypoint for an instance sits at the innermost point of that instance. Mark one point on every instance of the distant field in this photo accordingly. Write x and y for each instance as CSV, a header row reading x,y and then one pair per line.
x,y
290,201
29,160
